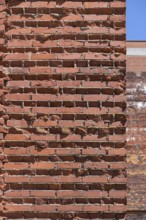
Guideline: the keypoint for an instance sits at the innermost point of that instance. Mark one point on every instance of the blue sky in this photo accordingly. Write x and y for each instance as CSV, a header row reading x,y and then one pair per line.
x,y
136,19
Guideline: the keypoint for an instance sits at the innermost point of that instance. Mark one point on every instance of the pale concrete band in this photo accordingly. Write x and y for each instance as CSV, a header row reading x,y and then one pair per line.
x,y
136,51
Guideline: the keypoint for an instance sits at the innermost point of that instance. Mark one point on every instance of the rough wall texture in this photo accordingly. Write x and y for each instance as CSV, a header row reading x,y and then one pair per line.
x,y
136,132
63,109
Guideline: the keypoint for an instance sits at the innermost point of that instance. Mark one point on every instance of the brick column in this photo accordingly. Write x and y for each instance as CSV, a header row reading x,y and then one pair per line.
x,y
65,110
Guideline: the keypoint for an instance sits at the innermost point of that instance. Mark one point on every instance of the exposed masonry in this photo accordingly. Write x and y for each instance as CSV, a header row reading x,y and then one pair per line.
x,y
63,109
136,131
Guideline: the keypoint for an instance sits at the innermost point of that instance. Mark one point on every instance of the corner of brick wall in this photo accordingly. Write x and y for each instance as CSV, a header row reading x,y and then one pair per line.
x,y
62,108
3,116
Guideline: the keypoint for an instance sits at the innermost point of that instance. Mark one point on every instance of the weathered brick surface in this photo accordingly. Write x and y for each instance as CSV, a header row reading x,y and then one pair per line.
x,y
63,109
136,133
136,216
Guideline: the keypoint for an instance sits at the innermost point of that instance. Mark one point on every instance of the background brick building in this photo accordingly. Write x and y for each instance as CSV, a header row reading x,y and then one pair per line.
x,y
62,108
136,131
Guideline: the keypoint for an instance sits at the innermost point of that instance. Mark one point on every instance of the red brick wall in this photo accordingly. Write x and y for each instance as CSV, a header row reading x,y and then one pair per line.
x,y
63,109
136,133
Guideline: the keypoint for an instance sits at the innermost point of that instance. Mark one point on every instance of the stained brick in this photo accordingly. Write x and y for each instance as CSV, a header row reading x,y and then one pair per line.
x,y
136,199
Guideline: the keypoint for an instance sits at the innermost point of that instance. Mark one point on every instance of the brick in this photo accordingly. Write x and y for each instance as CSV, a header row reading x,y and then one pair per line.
x,y
135,132
16,43
42,193
35,151
41,70
69,97
17,123
95,4
17,208
73,17
19,31
2,28
17,109
118,4
62,122
17,137
41,123
71,4
93,151
73,56
119,165
44,97
20,5
64,110
94,179
1,208
15,166
69,138
16,151
69,194
95,208
19,70
118,208
71,123
118,194
2,42
2,5
42,179
44,4
17,97
44,83
71,208
100,98
16,56
19,179
43,56
43,137
70,43
118,180
44,208
117,18
96,56
67,151
44,44
95,18
42,110
94,111
42,165
102,30
18,83
44,31
66,70
95,194
93,84
119,152
116,138
68,179
15,194
45,18
68,165
89,165
93,138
